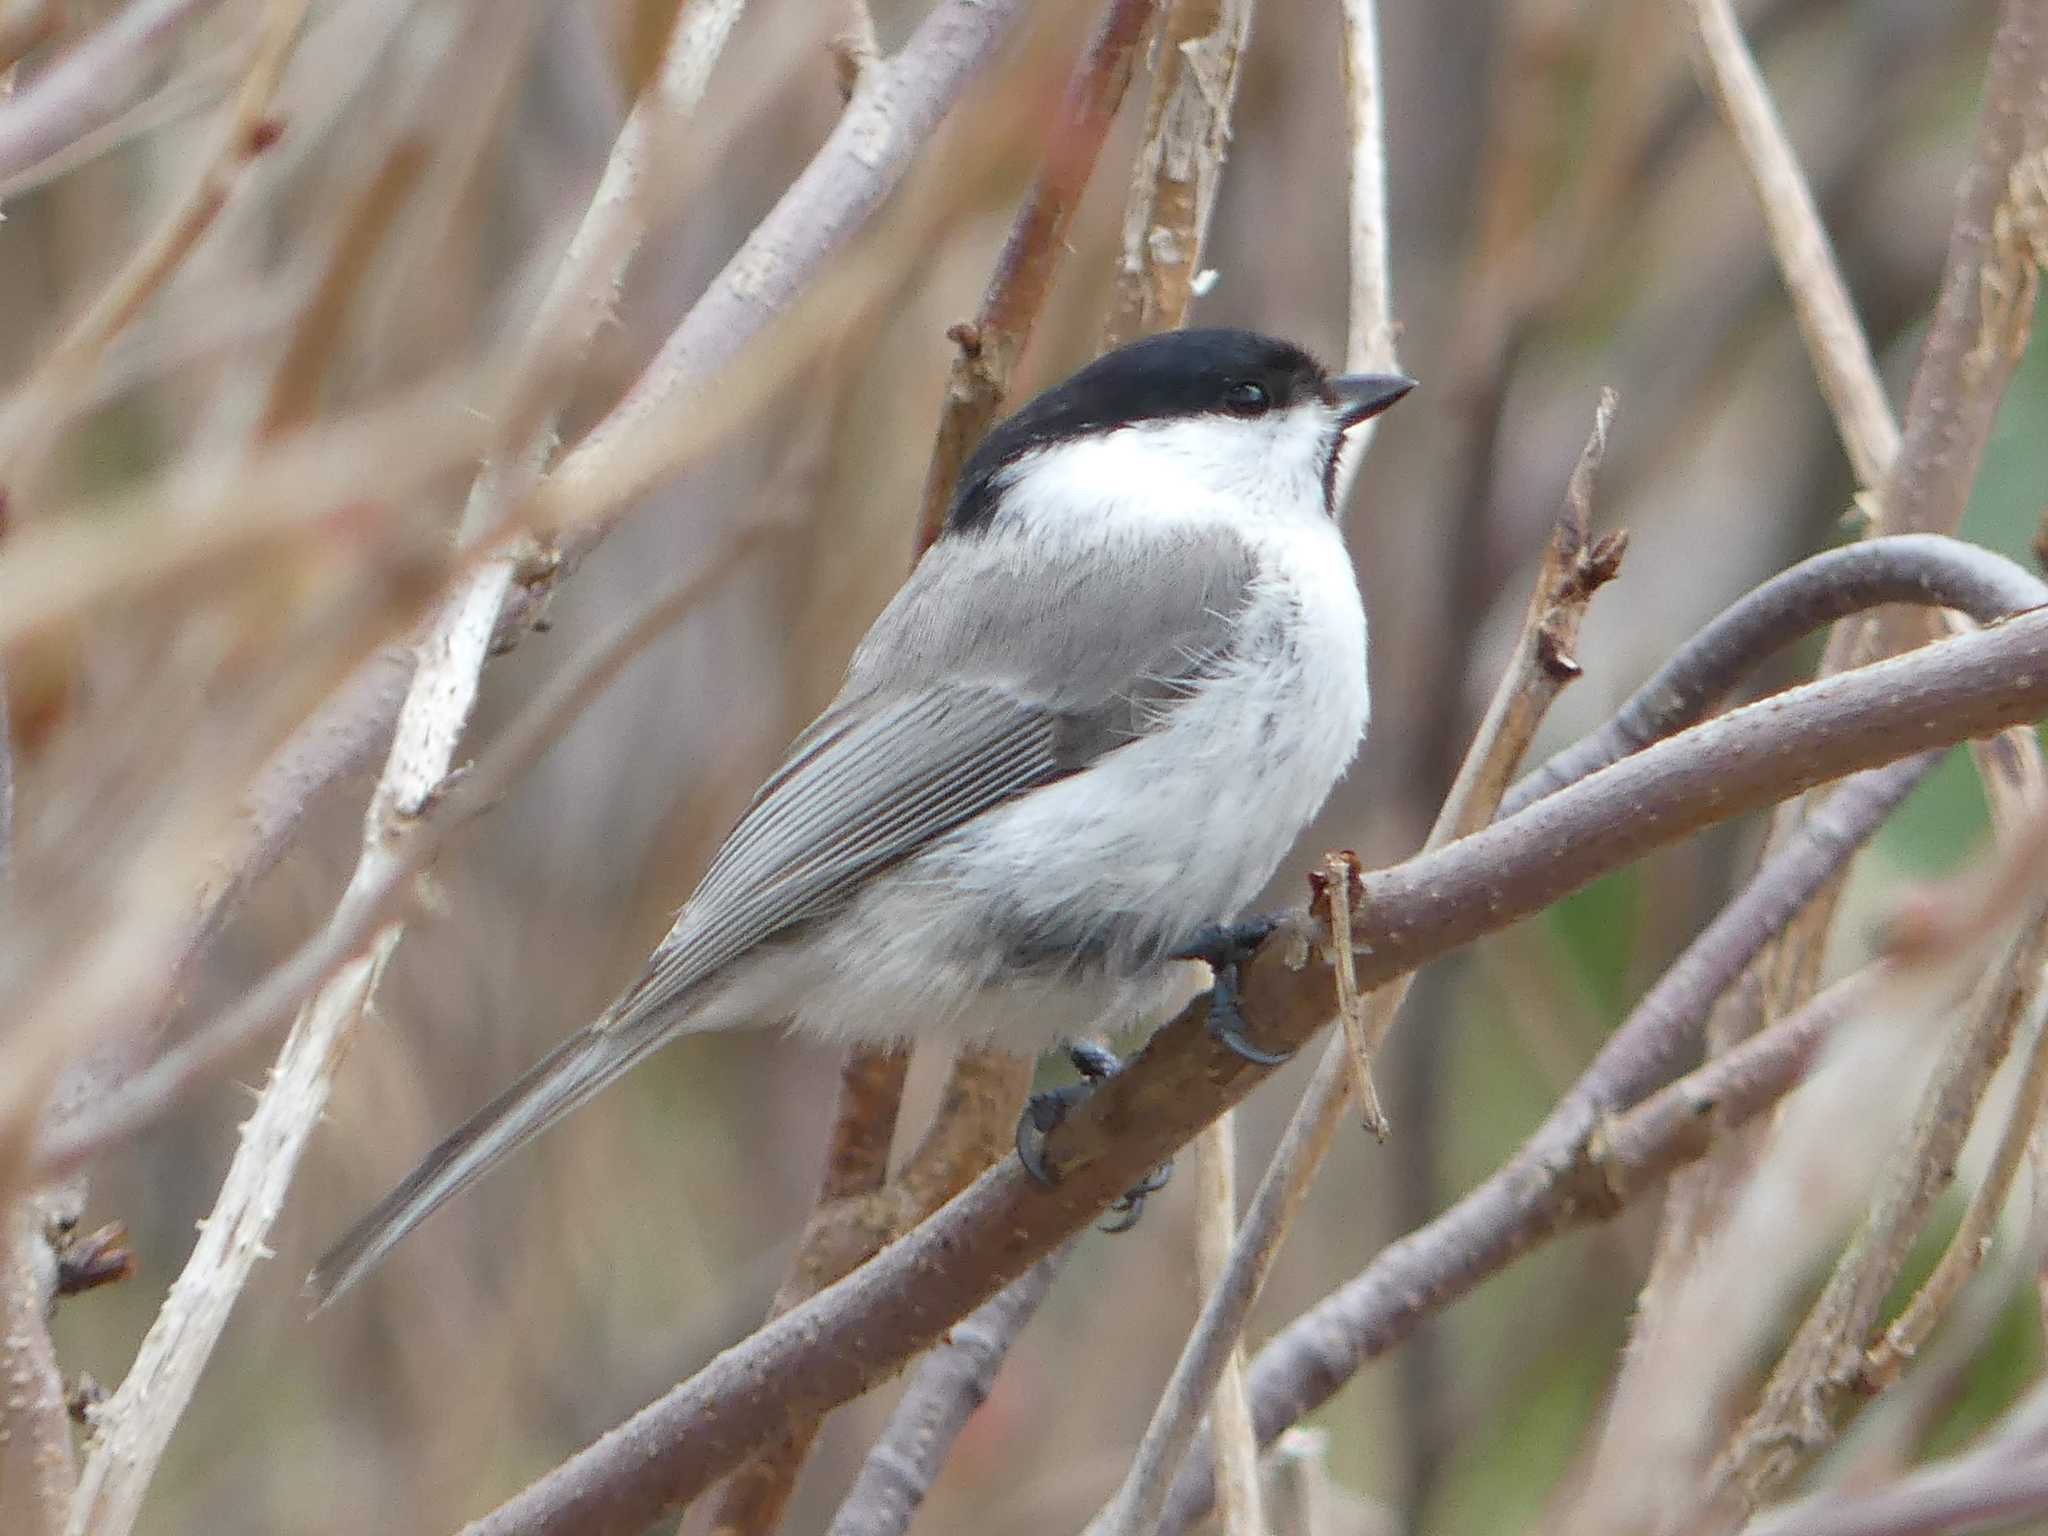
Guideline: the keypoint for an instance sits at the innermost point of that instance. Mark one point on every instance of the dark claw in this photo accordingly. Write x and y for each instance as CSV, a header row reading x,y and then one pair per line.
x,y
1043,1113
1224,948
1130,1205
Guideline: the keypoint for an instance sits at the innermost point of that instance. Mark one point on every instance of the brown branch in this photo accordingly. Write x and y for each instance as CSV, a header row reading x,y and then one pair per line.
x,y
948,1385
2002,1479
1928,569
1820,1375
867,1325
1322,1350
1973,342
1982,315
1238,1505
1834,339
1911,1329
37,1468
1924,479
1179,167
989,345
151,1094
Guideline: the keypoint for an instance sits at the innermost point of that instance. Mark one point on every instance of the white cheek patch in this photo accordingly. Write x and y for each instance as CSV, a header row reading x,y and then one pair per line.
x,y
1271,467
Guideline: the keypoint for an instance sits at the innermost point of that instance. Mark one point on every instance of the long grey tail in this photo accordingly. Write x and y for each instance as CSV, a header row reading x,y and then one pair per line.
x,y
565,1079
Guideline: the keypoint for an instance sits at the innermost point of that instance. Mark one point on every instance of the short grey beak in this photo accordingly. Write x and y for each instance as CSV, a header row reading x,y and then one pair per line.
x,y
1362,396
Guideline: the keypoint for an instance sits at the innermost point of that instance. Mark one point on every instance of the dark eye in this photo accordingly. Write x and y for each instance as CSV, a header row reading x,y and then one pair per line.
x,y
1247,397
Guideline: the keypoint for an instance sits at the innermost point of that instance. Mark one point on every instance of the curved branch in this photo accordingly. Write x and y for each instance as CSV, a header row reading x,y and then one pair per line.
x,y
1924,568
1306,1363
869,1324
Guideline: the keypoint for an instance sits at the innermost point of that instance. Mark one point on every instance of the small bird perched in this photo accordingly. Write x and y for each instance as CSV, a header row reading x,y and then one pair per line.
x,y
1080,738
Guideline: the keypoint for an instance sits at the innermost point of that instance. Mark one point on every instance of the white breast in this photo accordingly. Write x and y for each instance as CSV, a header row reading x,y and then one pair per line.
x,y
1161,837
1189,824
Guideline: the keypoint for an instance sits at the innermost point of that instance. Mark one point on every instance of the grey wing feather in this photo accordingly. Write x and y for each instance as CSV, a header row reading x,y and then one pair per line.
x,y
996,670
989,676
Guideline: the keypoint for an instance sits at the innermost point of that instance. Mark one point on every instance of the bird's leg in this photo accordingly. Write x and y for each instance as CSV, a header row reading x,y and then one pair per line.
x,y
1043,1112
1224,947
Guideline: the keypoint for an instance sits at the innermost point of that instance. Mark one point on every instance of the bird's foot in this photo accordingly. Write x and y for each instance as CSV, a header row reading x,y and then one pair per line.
x,y
1224,947
1043,1113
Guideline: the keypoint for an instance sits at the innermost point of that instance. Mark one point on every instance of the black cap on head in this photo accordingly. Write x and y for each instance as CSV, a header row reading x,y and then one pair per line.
x,y
1175,373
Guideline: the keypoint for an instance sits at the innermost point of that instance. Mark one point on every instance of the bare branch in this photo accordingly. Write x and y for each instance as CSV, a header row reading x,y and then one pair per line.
x,y
948,1385
1308,1361
1237,1447
245,132
145,1098
1834,339
37,1471
901,101
1179,166
1369,342
1821,1370
989,345
1911,1329
838,1343
1928,569
90,84
852,1217
1985,306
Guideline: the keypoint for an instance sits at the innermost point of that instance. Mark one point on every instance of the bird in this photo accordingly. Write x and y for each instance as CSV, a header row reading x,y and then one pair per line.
x,y
1079,740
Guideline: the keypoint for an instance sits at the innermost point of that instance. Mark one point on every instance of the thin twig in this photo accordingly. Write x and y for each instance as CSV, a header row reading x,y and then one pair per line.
x,y
989,345
1928,569
136,1422
37,1469
91,83
1834,339
1915,1324
1238,1504
1820,1373
245,132
1369,339
1980,328
948,1385
1541,664
1179,166
151,1094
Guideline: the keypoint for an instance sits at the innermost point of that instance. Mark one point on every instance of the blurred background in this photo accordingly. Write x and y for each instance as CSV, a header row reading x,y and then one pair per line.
x,y
1566,212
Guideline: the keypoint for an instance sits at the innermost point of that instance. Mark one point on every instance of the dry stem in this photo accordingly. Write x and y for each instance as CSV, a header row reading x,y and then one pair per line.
x,y
37,1471
989,345
1179,166
245,133
90,84
1834,339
